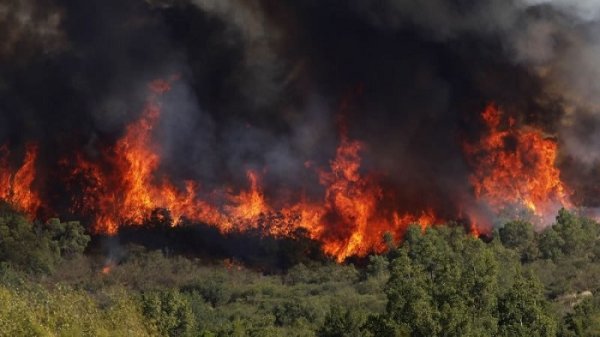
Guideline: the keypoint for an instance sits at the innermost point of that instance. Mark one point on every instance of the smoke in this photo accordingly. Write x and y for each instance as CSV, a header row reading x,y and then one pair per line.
x,y
261,70
260,83
554,41
28,28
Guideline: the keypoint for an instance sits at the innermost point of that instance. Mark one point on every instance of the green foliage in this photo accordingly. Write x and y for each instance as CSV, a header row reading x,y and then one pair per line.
x,y
61,311
213,290
70,237
584,321
571,235
289,312
341,323
444,283
522,311
550,244
382,326
169,311
38,248
440,281
26,247
378,267
520,236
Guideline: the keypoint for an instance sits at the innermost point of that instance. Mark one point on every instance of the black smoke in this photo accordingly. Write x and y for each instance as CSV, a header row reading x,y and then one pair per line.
x,y
261,84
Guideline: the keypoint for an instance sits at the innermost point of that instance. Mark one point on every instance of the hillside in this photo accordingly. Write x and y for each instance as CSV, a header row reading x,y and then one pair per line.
x,y
441,281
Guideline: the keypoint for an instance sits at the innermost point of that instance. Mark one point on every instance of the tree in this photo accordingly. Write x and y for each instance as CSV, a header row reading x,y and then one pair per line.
x,y
516,234
70,236
377,267
381,326
410,304
569,228
24,247
550,244
480,287
169,311
522,310
584,321
520,236
341,323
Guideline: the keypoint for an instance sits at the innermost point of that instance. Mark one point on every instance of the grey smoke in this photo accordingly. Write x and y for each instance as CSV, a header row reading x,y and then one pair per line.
x,y
262,71
261,81
30,27
557,40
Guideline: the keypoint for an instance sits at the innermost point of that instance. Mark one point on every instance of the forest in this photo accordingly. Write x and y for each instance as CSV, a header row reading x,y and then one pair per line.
x,y
57,280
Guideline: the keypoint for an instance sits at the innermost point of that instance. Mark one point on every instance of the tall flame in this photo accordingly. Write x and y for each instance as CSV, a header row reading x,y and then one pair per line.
x,y
516,167
348,221
16,187
511,166
129,191
354,220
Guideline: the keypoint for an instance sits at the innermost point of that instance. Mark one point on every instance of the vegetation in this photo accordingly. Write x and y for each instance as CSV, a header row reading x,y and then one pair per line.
x,y
440,281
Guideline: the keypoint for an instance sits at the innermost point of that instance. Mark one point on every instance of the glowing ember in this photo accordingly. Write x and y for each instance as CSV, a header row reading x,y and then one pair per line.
x,y
516,167
107,268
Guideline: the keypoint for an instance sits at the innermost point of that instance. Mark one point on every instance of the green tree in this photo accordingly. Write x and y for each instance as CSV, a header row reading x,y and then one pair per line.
x,y
377,267
520,236
584,321
169,311
410,304
25,247
382,326
570,229
523,310
480,287
70,236
516,234
550,244
341,323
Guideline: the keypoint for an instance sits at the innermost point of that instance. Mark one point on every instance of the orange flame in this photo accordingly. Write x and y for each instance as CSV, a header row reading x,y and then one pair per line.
x,y
348,221
516,166
16,188
511,166
129,192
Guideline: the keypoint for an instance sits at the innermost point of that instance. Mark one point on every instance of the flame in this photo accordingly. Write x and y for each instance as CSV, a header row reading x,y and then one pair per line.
x,y
128,192
247,205
349,220
16,188
516,167
122,187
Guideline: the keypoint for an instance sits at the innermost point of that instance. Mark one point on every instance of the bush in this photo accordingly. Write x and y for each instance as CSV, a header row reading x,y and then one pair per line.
x,y
169,312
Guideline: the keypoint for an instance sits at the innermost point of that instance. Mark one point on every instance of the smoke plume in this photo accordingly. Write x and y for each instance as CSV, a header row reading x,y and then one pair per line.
x,y
273,87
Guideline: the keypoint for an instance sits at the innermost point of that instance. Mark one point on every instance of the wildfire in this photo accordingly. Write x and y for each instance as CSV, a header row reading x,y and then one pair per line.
x,y
516,167
16,187
348,221
354,221
128,191
122,187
